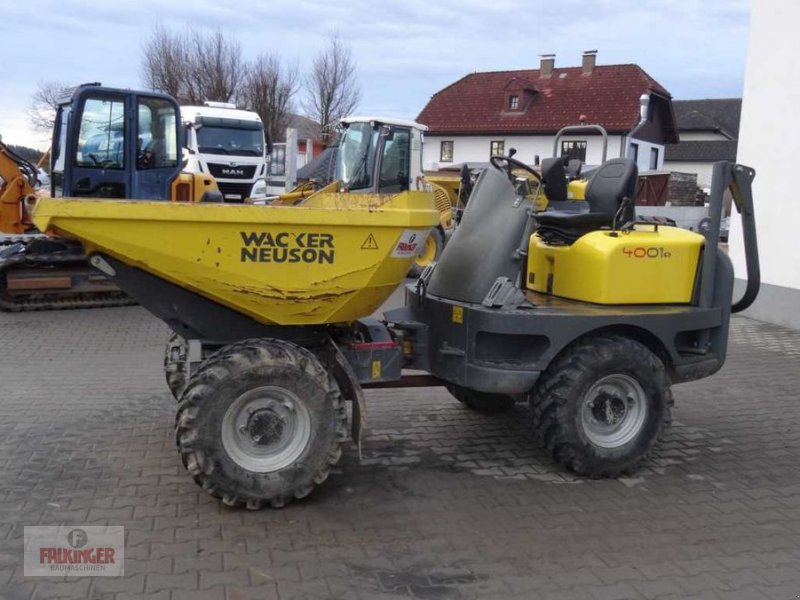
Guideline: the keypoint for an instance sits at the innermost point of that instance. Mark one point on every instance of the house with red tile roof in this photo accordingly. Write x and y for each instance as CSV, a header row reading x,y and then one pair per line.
x,y
489,113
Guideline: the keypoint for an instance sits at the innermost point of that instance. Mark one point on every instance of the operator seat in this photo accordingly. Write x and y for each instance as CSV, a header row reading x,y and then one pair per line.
x,y
554,179
611,190
573,169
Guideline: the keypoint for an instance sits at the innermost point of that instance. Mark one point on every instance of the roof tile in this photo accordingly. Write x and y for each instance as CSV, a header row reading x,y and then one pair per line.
x,y
474,104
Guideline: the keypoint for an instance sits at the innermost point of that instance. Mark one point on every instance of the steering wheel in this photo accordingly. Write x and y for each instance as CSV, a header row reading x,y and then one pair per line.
x,y
497,161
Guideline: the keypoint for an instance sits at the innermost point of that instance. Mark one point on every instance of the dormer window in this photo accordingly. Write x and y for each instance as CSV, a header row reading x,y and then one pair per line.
x,y
517,95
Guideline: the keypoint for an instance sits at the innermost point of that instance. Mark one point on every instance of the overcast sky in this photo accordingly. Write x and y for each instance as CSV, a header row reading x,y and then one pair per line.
x,y
406,51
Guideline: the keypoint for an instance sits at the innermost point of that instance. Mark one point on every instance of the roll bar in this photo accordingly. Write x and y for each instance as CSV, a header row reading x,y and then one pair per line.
x,y
576,129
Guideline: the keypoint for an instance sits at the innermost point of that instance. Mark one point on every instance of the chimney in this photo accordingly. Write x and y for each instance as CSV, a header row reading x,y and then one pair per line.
x,y
589,61
547,65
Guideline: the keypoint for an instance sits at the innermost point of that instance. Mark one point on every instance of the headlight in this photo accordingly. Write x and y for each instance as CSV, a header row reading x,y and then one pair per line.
x,y
259,189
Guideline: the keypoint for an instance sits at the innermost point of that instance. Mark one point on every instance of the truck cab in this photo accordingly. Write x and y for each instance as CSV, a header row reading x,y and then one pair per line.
x,y
229,144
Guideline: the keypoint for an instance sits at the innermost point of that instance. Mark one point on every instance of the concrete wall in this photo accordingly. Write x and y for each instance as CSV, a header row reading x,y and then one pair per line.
x,y
769,136
702,168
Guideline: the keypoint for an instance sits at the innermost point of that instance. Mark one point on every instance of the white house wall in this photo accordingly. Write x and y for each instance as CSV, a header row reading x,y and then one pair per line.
x,y
769,139
702,136
643,160
477,148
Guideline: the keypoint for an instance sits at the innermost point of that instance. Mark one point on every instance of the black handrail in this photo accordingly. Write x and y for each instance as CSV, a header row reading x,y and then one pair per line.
x,y
742,192
738,179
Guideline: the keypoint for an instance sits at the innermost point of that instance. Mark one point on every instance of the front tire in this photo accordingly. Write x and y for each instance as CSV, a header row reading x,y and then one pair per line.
x,y
260,423
601,406
175,364
430,252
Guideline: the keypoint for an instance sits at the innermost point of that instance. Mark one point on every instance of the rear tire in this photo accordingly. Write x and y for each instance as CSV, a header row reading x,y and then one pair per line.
x,y
175,364
260,423
430,252
601,406
482,402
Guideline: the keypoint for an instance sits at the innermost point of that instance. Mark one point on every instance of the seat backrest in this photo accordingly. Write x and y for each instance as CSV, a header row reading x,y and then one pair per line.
x,y
573,170
554,179
614,180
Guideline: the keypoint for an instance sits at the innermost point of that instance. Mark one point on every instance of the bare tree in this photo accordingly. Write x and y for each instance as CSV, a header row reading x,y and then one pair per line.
x,y
166,63
217,68
332,88
44,104
268,90
194,65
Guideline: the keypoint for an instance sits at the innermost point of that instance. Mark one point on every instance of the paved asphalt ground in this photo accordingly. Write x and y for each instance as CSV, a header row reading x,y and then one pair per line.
x,y
445,504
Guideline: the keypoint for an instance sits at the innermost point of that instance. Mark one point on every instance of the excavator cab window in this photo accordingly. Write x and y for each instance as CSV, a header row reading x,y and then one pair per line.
x,y
395,162
156,142
102,134
356,156
59,151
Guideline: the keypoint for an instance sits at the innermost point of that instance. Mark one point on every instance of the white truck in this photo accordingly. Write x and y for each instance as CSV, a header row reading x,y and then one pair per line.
x,y
230,144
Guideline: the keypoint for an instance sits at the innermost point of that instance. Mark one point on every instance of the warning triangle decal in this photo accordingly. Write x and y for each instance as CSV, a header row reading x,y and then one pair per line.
x,y
369,243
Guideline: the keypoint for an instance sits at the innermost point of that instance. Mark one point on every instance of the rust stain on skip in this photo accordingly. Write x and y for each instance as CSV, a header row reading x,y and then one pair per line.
x,y
276,294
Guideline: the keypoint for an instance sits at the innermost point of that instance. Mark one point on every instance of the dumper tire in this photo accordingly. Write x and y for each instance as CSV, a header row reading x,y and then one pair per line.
x,y
175,364
481,402
601,406
249,391
436,237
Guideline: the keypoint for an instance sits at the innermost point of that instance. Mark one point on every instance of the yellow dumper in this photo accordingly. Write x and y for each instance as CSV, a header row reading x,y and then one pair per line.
x,y
270,308
333,259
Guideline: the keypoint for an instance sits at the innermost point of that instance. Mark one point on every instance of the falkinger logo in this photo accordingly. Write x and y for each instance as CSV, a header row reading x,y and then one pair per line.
x,y
65,550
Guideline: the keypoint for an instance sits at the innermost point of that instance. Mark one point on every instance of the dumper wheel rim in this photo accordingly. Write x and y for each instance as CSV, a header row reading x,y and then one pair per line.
x,y
561,405
613,410
255,374
431,250
266,429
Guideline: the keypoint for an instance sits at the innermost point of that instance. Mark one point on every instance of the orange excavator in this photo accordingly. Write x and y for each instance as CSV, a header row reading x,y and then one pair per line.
x,y
107,143
37,272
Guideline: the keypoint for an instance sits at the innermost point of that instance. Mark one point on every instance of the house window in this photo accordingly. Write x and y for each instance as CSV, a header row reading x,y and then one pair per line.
x,y
574,150
446,151
497,148
633,153
653,159
513,102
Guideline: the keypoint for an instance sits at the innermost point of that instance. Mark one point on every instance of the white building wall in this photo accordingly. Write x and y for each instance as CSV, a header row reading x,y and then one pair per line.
x,y
702,136
643,154
768,136
477,148
702,168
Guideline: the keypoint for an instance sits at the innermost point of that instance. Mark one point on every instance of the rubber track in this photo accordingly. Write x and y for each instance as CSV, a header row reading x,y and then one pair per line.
x,y
61,301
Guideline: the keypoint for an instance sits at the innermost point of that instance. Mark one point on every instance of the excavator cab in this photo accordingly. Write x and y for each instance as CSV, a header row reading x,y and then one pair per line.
x,y
114,143
379,156
107,143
